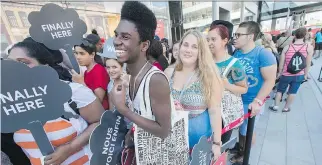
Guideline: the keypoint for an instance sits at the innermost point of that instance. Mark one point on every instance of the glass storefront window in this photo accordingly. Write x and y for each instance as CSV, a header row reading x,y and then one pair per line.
x,y
200,15
278,17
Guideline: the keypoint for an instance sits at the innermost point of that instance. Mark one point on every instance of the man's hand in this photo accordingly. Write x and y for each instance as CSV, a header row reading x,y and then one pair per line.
x,y
77,78
118,98
255,108
216,151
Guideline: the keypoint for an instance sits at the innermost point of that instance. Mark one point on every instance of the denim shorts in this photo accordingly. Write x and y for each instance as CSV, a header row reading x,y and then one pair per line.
x,y
294,83
243,127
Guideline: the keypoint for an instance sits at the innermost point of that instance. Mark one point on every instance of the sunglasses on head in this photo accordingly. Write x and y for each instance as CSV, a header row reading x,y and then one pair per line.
x,y
85,42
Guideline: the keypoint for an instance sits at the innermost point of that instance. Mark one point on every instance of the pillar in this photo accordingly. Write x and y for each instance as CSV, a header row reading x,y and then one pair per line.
x,y
215,11
242,12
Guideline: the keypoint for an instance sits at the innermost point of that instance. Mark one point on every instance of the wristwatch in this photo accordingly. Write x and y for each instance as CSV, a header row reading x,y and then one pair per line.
x,y
260,102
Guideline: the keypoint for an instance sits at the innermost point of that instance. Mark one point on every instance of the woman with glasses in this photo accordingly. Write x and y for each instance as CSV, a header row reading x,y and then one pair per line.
x,y
260,68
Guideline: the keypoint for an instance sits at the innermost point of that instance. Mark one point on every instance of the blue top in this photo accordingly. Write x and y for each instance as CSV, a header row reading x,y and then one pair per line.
x,y
253,62
318,37
236,73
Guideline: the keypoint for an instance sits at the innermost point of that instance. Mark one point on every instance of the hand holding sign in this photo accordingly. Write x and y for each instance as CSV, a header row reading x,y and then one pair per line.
x,y
30,101
107,140
57,28
201,152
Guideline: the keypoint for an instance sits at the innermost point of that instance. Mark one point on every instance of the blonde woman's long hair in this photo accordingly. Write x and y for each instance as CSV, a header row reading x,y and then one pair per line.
x,y
268,43
208,71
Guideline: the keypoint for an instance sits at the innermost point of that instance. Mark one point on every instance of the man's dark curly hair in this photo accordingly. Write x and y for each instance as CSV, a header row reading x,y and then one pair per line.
x,y
143,18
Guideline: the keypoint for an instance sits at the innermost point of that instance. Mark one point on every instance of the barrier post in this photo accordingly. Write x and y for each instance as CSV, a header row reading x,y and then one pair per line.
x,y
320,78
249,136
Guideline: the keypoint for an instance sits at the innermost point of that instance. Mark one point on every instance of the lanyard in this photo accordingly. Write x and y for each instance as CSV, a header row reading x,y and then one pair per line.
x,y
185,85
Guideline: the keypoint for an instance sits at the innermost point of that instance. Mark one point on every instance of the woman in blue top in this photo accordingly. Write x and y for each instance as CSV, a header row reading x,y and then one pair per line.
x,y
235,81
318,44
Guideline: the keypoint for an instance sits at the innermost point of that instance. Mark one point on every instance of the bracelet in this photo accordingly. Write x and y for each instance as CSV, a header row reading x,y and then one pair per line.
x,y
217,143
260,102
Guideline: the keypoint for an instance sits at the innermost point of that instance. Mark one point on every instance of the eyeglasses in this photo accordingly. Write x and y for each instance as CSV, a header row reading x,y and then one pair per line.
x,y
85,42
237,35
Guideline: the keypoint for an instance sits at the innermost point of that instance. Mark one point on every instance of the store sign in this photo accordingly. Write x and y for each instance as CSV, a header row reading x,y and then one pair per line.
x,y
159,31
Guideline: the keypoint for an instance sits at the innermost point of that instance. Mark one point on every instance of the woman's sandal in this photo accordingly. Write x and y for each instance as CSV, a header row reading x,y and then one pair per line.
x,y
286,110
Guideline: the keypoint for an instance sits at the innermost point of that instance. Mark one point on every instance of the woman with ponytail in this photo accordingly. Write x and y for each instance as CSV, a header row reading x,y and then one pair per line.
x,y
69,136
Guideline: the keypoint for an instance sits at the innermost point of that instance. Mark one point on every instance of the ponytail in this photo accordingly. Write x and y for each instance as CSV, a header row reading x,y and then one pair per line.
x,y
98,59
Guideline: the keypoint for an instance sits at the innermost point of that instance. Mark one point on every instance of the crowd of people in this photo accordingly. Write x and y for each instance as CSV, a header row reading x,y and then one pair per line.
x,y
191,75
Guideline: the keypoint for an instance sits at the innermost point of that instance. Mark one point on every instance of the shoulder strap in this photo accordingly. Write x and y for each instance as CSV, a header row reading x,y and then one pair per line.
x,y
231,63
146,91
284,41
73,105
299,49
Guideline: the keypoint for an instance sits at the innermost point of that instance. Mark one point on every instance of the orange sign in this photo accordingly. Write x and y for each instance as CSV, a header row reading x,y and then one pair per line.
x,y
160,29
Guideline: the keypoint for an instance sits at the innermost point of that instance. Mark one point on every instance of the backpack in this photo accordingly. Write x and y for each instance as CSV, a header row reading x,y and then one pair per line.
x,y
297,62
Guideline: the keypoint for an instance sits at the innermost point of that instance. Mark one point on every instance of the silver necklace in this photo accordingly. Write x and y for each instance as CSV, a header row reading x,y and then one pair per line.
x,y
133,90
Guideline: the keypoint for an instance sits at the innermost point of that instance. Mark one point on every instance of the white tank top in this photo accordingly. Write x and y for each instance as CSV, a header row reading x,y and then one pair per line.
x,y
141,103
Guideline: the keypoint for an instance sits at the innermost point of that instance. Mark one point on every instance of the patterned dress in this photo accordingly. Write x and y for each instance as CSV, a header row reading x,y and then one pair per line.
x,y
193,100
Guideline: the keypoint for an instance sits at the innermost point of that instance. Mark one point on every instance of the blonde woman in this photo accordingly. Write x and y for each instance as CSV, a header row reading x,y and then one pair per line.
x,y
267,42
196,87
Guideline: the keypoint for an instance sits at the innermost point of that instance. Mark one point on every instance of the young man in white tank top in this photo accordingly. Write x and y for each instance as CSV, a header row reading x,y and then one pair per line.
x,y
132,39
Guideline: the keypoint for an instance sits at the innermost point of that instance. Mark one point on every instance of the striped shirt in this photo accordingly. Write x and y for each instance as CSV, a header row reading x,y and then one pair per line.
x,y
61,131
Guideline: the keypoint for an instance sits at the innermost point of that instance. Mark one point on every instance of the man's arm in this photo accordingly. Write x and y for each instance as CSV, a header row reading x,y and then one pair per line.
x,y
268,70
282,60
100,94
161,108
269,76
